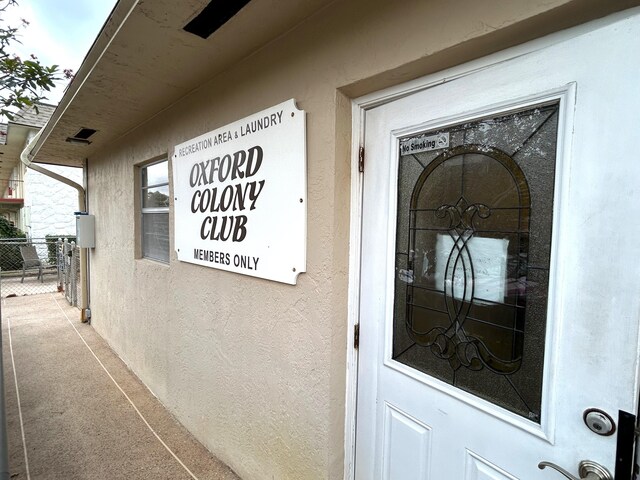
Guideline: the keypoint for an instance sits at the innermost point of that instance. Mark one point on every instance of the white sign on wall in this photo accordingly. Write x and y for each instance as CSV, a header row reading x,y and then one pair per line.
x,y
240,196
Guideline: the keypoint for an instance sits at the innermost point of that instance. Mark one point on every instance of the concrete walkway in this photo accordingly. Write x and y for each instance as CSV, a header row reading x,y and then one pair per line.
x,y
78,412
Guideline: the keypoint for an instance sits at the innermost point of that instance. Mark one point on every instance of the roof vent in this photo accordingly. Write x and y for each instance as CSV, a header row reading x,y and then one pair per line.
x,y
213,16
82,136
85,133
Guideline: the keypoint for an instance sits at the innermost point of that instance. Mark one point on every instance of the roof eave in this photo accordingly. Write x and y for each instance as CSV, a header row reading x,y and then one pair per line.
x,y
116,20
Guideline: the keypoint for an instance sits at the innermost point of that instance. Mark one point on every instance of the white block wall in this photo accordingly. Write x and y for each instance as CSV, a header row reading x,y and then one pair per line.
x,y
51,203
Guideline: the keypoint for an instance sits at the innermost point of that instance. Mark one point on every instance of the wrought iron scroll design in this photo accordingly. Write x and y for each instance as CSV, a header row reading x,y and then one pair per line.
x,y
453,342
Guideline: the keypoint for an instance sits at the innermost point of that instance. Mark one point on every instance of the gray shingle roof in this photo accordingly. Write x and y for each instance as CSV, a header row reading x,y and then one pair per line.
x,y
29,116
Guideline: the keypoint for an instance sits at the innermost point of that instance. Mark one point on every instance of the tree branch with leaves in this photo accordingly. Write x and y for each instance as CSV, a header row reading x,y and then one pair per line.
x,y
23,83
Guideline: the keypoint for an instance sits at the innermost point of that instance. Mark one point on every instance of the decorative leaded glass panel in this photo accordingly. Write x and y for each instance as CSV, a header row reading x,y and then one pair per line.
x,y
472,255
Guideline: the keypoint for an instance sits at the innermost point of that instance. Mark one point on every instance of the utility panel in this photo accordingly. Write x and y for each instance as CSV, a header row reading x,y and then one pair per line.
x,y
85,230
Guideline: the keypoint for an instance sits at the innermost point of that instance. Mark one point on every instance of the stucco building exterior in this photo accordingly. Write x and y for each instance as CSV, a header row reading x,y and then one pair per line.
x,y
268,374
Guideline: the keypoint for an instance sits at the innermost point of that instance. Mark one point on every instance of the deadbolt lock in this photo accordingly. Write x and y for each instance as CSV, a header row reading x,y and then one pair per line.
x,y
599,422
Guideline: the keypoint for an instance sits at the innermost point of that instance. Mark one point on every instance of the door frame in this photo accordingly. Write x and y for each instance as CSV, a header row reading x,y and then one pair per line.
x,y
359,108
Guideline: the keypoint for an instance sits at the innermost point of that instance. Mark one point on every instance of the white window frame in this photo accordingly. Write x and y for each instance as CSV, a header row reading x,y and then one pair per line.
x,y
152,210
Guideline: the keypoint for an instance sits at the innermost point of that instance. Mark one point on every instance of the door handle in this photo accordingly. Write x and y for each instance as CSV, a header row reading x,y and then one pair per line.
x,y
587,470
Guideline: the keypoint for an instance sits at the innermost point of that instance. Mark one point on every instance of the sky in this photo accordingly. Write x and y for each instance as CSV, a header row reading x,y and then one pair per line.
x,y
60,32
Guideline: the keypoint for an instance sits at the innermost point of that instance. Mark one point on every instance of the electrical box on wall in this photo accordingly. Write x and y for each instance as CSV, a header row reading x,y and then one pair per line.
x,y
85,230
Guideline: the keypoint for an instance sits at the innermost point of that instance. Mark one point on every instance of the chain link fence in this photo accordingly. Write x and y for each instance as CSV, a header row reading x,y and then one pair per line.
x,y
33,266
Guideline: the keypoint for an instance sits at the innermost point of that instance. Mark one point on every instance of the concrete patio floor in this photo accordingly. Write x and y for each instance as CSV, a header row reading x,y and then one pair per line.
x,y
78,412
12,285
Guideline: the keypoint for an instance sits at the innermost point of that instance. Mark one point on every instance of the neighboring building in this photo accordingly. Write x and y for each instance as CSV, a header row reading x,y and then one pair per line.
x,y
49,204
463,302
36,204
14,136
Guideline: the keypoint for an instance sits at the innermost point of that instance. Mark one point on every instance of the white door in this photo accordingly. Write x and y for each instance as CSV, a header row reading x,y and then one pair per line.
x,y
499,295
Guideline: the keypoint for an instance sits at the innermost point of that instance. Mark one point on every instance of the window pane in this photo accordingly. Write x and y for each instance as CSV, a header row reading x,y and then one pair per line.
x,y
155,197
155,236
155,174
473,244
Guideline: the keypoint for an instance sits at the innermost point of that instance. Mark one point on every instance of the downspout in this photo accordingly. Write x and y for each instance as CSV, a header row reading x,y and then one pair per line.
x,y
82,205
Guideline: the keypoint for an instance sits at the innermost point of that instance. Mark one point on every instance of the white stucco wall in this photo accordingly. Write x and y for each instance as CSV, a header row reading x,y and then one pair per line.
x,y
51,203
256,369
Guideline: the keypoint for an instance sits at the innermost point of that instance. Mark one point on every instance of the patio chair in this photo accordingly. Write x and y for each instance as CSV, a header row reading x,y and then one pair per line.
x,y
30,260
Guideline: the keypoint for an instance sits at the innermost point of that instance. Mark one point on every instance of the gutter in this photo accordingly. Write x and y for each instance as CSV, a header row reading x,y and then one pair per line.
x,y
82,205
